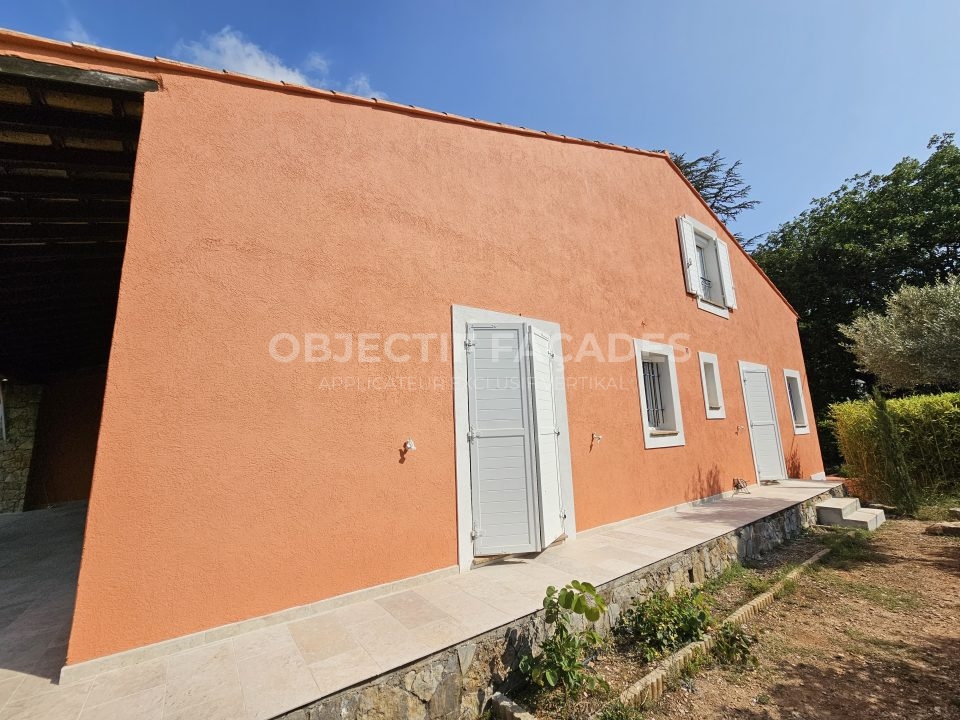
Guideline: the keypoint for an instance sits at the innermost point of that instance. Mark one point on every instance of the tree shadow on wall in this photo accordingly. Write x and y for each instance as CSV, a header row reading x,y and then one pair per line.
x,y
705,483
794,466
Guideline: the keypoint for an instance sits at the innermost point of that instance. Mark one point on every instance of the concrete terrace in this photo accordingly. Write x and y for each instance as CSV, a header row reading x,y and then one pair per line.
x,y
264,672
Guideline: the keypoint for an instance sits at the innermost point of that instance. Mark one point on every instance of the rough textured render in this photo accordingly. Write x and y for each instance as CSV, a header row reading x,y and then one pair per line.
x,y
260,209
21,404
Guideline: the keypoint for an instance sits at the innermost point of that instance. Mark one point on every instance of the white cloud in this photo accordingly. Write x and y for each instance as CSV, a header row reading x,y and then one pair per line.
x,y
74,31
317,64
360,85
228,49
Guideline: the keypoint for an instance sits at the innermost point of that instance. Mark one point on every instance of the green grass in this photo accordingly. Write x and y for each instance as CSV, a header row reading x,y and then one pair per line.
x,y
847,548
937,509
863,642
618,711
756,584
731,574
789,588
892,599
698,661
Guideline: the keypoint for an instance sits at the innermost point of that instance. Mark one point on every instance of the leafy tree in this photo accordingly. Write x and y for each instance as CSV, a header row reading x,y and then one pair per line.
x,y
916,342
720,184
851,249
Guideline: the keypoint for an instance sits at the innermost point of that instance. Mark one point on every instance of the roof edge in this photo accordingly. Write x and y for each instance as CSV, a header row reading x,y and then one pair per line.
x,y
157,64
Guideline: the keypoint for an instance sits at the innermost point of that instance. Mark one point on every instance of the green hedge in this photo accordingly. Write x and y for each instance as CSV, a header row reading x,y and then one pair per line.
x,y
926,445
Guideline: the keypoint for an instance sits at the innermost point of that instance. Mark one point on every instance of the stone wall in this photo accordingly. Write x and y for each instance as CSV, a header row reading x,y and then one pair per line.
x,y
457,684
21,403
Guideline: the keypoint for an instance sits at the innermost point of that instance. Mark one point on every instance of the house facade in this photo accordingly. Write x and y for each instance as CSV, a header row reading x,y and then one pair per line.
x,y
357,342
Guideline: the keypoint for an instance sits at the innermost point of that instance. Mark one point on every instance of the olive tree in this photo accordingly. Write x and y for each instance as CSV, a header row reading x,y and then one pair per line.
x,y
915,342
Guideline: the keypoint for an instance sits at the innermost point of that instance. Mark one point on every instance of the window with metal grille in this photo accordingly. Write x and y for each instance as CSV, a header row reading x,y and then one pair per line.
x,y
658,394
706,284
653,390
708,268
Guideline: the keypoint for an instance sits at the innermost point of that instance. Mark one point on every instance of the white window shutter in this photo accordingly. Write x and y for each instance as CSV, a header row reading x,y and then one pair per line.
x,y
726,275
688,251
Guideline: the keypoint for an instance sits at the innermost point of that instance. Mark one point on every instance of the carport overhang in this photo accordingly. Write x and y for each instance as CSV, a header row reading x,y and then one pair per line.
x,y
68,141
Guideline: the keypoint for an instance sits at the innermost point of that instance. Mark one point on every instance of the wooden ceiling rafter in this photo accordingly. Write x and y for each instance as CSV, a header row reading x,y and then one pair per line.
x,y
68,140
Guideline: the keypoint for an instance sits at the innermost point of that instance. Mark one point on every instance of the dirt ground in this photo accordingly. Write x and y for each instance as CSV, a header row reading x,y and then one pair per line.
x,y
875,633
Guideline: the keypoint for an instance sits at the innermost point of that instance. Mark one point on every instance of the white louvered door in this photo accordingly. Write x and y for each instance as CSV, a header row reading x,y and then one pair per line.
x,y
762,418
502,458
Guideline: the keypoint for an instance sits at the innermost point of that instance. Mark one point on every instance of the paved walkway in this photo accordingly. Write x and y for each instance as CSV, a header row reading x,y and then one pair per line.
x,y
265,672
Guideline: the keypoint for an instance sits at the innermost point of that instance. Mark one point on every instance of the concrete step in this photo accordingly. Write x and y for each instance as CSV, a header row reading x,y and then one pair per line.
x,y
846,512
865,519
834,510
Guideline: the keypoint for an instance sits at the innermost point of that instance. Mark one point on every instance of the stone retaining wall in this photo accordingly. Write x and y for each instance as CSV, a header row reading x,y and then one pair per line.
x,y
20,404
458,683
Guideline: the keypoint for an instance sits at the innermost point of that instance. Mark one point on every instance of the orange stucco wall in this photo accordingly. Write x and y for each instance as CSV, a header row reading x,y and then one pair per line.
x,y
229,485
61,468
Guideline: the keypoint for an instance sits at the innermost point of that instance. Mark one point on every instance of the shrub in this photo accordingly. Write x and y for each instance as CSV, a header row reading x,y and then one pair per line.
x,y
732,646
563,657
663,623
901,451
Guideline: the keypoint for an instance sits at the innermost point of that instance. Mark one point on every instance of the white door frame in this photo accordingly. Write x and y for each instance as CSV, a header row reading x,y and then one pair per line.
x,y
756,367
461,317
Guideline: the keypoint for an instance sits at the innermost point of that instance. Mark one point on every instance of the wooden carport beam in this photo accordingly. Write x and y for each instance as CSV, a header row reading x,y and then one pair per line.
x,y
68,123
45,156
39,186
10,65
51,232
24,211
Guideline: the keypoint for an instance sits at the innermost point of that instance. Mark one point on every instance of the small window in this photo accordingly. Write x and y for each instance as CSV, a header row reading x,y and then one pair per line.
x,y
659,395
712,389
706,261
798,408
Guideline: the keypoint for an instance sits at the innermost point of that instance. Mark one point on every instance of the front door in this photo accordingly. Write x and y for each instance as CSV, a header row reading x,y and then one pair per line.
x,y
762,419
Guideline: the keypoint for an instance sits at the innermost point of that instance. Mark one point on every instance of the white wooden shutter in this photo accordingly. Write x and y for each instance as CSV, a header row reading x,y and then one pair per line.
x,y
501,453
547,434
688,251
726,275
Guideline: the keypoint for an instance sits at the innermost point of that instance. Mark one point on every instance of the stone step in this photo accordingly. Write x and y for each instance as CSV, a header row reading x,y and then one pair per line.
x,y
834,510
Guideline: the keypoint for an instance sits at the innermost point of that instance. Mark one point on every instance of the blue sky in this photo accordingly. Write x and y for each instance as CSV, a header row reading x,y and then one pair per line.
x,y
805,93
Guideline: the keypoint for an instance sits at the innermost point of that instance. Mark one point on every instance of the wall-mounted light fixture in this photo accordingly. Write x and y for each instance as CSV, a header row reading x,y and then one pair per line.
x,y
594,440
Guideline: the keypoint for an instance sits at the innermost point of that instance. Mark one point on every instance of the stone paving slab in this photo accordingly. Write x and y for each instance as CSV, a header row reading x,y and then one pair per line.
x,y
265,672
